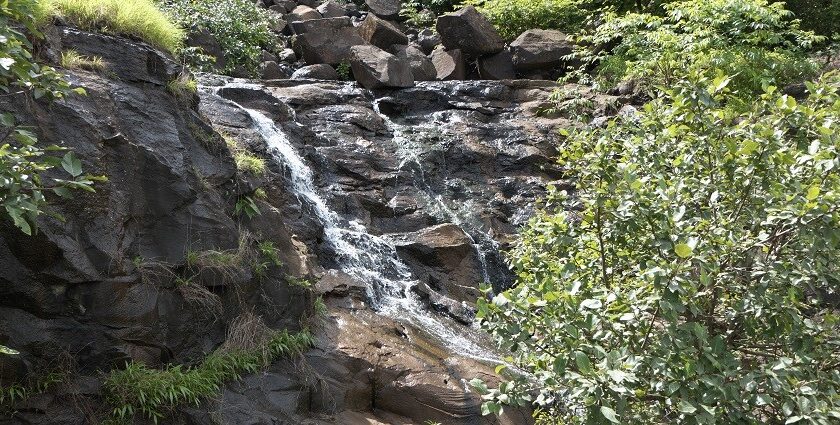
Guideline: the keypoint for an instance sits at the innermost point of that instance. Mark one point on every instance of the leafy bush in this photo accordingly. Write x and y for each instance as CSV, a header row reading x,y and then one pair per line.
x,y
23,162
690,278
152,393
242,29
137,18
513,17
757,43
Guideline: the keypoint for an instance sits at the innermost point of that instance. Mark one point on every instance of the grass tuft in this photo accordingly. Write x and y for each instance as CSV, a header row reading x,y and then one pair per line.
x,y
246,162
140,19
140,390
183,86
71,59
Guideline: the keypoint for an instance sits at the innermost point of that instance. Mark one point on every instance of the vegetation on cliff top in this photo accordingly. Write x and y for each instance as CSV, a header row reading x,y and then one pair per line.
x,y
141,19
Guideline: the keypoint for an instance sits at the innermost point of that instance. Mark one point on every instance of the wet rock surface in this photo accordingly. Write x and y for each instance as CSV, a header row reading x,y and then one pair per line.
x,y
443,172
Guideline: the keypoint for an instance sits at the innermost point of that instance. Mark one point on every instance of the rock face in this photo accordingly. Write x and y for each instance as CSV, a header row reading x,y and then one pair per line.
x,y
540,49
470,32
375,68
331,9
326,40
381,33
303,13
449,64
440,175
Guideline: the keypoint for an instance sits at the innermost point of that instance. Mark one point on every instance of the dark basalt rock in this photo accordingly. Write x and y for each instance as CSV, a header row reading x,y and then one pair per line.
x,y
326,40
381,33
385,9
449,64
469,31
375,68
540,49
496,67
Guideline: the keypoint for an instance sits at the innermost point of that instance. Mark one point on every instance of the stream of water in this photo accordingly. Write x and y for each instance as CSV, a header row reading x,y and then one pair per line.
x,y
370,258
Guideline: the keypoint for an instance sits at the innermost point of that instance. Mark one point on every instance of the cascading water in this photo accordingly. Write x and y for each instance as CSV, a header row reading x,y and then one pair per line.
x,y
410,150
369,258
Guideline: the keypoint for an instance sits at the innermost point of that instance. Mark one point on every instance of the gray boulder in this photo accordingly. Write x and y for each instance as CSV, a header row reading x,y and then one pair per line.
x,y
326,40
283,6
316,72
303,13
271,70
421,66
331,9
496,67
381,33
540,49
428,39
204,40
387,9
449,64
375,68
470,32
311,3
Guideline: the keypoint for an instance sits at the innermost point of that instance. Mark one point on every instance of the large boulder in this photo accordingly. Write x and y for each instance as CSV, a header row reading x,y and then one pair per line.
x,y
375,68
387,9
496,67
303,13
469,31
449,64
540,49
428,39
208,44
326,40
421,66
331,9
381,33
316,72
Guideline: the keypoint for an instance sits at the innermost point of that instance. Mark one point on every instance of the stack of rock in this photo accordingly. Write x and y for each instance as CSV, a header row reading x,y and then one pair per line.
x,y
381,52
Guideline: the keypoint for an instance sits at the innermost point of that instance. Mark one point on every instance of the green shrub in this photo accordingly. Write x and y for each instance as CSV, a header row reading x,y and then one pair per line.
x,y
689,279
136,18
242,29
513,17
139,390
757,43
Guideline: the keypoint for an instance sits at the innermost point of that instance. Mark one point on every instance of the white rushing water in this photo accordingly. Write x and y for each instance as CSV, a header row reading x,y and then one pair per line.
x,y
371,259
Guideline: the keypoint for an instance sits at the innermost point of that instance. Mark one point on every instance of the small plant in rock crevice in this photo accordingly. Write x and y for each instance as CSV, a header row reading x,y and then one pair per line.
x,y
248,206
183,86
246,162
71,59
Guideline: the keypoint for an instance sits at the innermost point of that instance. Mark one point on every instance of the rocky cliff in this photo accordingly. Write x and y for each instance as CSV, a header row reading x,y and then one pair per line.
x,y
393,204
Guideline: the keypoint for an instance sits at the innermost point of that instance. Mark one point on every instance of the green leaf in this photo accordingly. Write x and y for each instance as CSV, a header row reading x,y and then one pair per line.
x,y
813,193
683,250
609,414
582,361
686,407
8,351
71,164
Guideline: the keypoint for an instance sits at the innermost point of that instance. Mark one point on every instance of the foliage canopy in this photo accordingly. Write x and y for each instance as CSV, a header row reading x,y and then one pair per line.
x,y
690,279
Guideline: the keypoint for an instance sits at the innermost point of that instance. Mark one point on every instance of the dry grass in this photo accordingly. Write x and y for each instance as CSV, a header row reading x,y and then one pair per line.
x,y
246,161
247,332
71,59
157,273
198,296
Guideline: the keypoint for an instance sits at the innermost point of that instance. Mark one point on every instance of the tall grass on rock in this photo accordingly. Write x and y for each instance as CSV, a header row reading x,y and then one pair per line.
x,y
140,19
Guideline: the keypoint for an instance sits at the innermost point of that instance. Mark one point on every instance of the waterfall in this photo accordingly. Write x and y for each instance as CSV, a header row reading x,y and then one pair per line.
x,y
369,258
409,150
